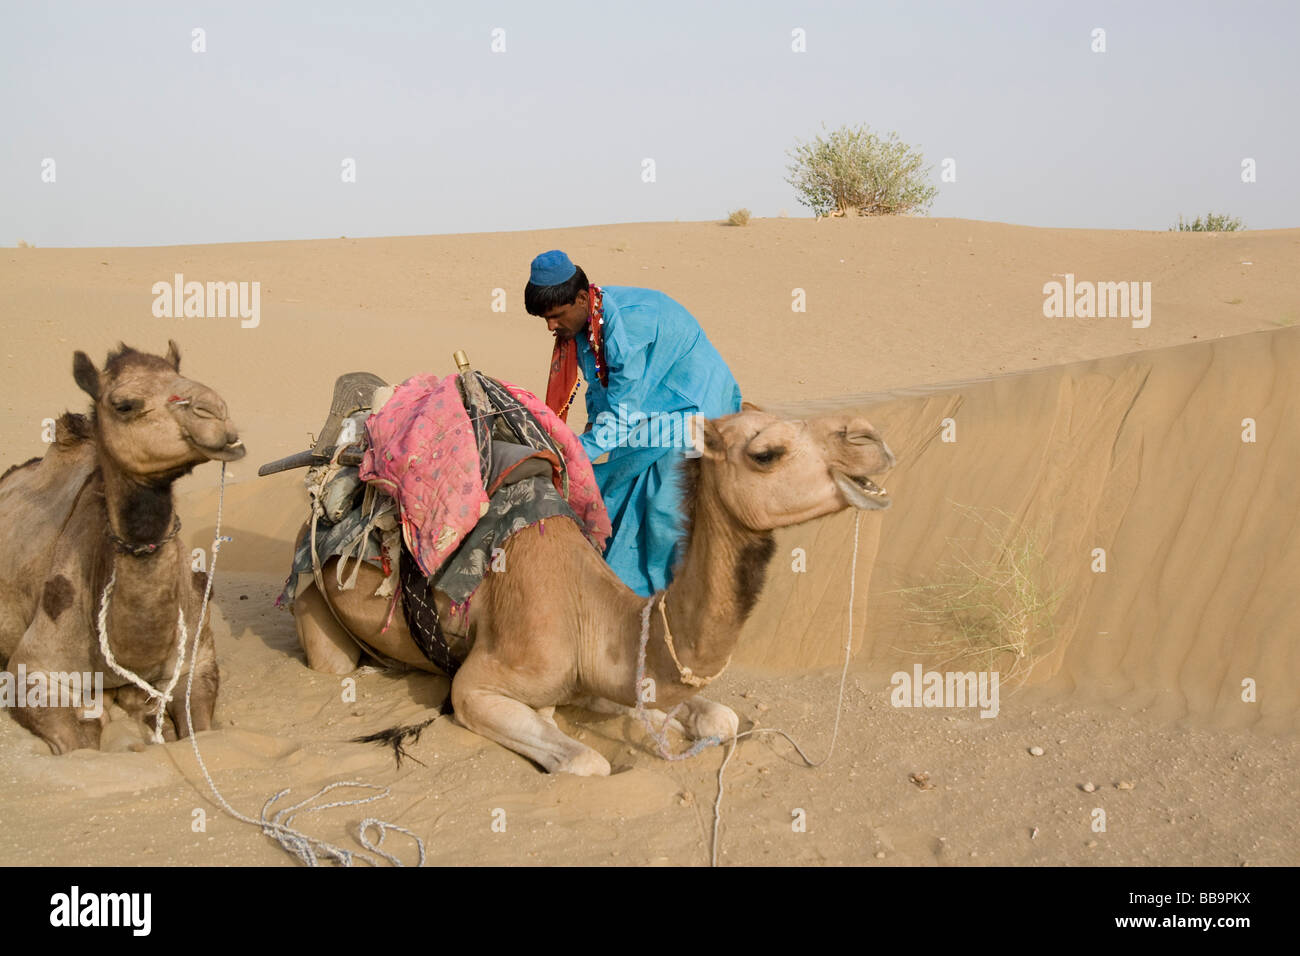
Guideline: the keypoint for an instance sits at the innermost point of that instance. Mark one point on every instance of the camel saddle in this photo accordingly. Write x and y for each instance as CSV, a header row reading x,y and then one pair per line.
x,y
512,447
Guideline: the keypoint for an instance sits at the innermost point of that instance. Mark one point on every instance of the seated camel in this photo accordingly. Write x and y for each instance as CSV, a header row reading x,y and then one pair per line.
x,y
558,626
94,519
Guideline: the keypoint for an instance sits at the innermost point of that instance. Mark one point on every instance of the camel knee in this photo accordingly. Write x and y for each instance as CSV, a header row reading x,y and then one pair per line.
x,y
464,705
60,727
487,713
475,709
329,648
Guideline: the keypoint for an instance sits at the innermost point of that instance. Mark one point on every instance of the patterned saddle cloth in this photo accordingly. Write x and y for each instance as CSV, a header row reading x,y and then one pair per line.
x,y
437,510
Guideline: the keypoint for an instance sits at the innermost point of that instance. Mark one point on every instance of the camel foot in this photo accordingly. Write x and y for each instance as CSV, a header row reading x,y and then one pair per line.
x,y
706,718
588,763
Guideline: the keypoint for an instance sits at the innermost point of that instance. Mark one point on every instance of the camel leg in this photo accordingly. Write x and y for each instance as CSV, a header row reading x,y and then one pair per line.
x,y
329,648
143,709
63,728
515,725
60,727
700,717
603,706
203,696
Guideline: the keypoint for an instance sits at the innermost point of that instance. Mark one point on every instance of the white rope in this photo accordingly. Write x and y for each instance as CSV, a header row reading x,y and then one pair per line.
x,y
660,736
293,841
308,849
163,697
383,832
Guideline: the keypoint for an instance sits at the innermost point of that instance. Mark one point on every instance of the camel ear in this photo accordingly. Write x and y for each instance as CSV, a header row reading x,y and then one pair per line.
x,y
715,446
749,407
86,375
174,354
705,438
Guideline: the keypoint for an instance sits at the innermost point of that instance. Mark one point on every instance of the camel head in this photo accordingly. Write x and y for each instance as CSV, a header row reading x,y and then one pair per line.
x,y
772,472
152,421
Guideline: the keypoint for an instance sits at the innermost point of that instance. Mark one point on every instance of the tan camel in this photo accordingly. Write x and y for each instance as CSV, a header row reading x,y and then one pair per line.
x,y
98,507
559,627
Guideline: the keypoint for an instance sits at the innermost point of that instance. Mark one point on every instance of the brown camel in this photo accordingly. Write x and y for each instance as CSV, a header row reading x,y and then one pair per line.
x,y
559,627
98,508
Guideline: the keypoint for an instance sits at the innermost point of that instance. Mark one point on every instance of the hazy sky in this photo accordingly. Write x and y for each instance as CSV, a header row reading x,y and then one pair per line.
x,y
156,144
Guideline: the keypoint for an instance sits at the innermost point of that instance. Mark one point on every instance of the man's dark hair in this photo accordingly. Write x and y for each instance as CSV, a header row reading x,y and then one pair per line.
x,y
540,299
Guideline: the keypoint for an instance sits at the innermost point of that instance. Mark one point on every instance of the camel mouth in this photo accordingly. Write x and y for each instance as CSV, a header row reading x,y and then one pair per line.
x,y
861,492
232,451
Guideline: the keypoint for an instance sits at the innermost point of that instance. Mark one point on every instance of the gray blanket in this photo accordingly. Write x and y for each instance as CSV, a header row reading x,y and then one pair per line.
x,y
513,508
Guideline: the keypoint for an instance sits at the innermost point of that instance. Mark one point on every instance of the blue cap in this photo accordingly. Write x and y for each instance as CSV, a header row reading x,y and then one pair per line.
x,y
552,268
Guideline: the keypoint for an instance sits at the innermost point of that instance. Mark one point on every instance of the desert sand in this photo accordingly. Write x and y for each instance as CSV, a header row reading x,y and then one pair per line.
x,y
1073,434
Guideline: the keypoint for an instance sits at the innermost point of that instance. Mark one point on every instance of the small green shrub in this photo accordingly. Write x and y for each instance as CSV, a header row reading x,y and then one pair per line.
x,y
855,170
1213,222
999,611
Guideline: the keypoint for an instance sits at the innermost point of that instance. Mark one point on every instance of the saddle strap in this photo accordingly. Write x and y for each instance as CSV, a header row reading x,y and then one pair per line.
x,y
421,613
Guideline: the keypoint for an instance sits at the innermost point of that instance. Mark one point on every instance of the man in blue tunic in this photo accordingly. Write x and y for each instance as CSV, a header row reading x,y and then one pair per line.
x,y
648,367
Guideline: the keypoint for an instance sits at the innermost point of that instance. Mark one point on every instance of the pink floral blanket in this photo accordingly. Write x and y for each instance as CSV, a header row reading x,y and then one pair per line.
x,y
422,450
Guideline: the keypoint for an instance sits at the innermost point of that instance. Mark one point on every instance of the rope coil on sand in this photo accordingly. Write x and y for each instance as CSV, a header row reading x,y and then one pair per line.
x,y
308,849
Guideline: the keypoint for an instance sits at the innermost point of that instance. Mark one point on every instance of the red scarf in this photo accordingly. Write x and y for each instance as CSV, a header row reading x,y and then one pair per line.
x,y
562,386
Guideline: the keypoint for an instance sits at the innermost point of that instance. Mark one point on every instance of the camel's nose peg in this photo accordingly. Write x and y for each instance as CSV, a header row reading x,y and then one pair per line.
x,y
203,405
867,435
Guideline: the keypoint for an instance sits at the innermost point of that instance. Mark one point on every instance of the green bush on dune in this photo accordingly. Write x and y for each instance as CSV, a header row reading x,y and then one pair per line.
x,y
854,169
1213,222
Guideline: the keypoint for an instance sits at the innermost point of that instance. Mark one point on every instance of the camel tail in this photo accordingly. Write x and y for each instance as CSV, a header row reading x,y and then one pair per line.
x,y
397,737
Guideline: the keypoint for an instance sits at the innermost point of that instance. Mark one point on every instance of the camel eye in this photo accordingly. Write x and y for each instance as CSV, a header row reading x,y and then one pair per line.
x,y
125,406
768,456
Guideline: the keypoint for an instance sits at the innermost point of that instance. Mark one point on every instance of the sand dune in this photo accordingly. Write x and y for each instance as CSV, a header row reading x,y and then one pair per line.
x,y
1088,432
1140,455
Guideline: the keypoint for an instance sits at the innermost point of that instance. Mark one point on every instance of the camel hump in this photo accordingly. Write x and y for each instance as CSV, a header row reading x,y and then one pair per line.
x,y
71,429
12,468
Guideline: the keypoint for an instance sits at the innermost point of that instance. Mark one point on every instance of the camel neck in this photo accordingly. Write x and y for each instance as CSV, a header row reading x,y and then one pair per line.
x,y
139,513
716,585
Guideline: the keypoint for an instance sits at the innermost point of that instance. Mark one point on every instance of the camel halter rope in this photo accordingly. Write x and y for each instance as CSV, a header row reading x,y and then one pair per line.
x,y
306,848
660,736
164,697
